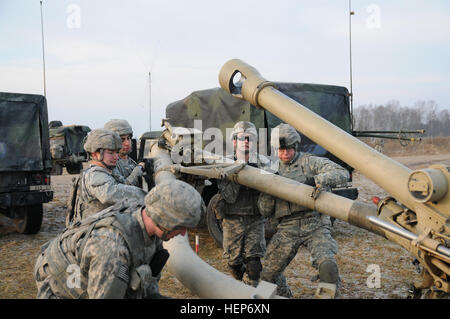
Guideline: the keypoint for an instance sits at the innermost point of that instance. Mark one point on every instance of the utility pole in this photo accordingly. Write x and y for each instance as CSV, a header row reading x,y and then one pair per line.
x,y
43,53
351,76
150,101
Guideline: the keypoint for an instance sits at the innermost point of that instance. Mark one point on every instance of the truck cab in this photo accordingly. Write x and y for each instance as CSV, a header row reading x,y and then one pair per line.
x,y
25,160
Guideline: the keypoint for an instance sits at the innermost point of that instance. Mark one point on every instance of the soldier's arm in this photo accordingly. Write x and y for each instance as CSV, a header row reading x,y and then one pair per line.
x,y
107,261
108,191
133,178
327,172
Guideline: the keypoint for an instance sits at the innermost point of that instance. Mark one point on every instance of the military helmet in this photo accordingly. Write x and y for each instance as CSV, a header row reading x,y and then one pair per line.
x,y
287,137
120,126
54,124
102,139
174,204
244,127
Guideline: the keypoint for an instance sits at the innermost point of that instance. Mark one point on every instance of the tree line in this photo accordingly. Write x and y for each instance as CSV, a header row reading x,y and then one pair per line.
x,y
425,115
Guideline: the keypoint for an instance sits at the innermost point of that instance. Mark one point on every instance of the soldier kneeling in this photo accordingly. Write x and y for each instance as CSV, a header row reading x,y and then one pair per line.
x,y
117,252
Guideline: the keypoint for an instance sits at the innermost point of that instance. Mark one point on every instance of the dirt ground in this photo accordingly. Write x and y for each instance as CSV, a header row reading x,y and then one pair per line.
x,y
360,252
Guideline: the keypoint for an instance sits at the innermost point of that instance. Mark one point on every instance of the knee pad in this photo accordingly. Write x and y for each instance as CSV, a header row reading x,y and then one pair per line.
x,y
254,268
328,271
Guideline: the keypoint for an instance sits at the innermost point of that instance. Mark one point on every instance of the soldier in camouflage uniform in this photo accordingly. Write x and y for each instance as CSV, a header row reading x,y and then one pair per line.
x,y
243,226
118,253
97,187
299,225
126,167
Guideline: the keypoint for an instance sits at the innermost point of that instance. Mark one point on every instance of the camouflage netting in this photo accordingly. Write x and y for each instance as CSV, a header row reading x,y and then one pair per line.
x,y
22,146
216,108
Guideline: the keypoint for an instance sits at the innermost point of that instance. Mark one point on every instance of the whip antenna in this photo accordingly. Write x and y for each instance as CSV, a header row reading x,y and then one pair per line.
x,y
43,53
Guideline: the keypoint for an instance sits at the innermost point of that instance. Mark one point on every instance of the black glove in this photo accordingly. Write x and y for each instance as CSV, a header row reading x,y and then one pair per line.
x,y
148,167
310,181
158,261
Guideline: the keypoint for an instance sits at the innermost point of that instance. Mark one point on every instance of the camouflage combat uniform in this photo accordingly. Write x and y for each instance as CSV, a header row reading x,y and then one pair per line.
x,y
299,225
126,168
244,243
117,253
113,261
99,189
127,171
243,226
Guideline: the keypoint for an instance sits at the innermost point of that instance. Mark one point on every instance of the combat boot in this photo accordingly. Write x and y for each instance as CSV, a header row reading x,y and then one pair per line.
x,y
237,271
325,291
329,280
253,268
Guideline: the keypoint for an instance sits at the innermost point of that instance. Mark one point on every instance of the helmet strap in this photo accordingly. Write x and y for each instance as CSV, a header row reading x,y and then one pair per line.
x,y
103,162
164,235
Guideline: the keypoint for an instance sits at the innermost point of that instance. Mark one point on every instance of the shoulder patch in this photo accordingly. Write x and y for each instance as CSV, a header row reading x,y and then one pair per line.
x,y
123,273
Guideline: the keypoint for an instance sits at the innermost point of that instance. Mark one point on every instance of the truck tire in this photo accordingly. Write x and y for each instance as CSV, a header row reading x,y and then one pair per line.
x,y
214,224
74,168
30,219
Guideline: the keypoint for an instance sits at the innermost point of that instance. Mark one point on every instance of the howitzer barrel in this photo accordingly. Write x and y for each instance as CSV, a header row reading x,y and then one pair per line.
x,y
199,277
388,174
342,208
390,132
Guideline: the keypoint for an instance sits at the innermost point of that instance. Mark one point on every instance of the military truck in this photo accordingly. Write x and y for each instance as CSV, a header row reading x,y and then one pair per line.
x,y
218,109
25,160
66,147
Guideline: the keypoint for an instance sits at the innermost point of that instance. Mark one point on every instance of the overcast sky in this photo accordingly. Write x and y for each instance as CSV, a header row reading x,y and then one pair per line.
x,y
99,53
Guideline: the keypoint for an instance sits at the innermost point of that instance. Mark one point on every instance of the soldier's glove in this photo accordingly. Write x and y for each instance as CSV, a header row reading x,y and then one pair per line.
x,y
229,190
148,167
158,261
148,170
318,189
310,181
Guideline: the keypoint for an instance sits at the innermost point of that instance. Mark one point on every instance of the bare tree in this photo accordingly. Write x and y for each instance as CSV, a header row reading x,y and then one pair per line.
x,y
392,116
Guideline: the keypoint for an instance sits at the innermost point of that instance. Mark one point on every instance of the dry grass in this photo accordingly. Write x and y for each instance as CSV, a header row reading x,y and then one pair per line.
x,y
16,266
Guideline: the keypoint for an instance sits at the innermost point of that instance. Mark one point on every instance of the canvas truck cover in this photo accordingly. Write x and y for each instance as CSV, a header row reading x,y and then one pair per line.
x,y
24,139
73,135
217,108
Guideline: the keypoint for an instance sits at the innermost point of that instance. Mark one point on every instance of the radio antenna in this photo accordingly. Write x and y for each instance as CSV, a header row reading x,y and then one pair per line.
x,y
351,71
43,53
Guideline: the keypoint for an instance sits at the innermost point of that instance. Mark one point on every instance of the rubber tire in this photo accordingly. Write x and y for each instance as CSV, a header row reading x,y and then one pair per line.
x,y
214,224
32,219
74,168
57,169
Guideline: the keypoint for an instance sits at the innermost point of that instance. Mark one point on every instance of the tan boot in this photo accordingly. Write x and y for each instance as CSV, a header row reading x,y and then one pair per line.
x,y
325,291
